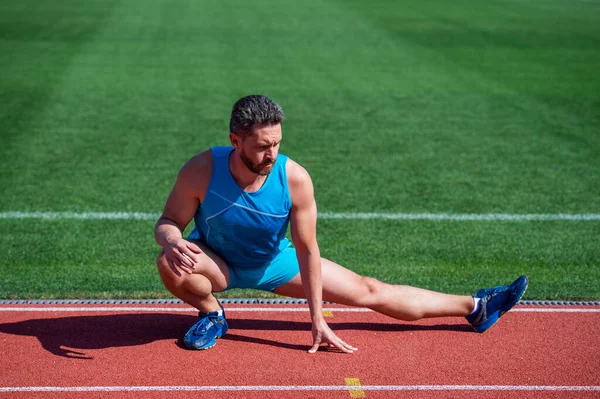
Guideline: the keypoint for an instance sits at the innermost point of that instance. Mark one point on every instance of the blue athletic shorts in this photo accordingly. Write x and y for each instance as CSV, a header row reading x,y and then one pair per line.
x,y
280,271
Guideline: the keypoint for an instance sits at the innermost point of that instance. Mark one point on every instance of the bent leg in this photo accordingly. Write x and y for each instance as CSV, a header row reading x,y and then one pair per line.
x,y
403,302
211,275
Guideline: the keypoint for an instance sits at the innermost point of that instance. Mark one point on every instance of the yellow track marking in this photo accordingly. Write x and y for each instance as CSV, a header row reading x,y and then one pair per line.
x,y
355,393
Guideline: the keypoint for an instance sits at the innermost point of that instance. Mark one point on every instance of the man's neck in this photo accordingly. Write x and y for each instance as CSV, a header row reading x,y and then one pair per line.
x,y
244,177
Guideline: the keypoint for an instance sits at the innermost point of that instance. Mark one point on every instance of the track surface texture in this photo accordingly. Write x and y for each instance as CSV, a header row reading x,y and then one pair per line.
x,y
93,351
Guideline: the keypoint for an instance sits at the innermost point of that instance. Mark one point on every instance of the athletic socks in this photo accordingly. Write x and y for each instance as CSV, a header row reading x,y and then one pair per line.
x,y
475,306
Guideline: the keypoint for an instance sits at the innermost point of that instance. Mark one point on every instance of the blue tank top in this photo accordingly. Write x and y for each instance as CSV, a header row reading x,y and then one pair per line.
x,y
245,229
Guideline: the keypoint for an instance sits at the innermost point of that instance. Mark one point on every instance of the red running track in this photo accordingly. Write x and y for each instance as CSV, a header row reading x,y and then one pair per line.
x,y
127,351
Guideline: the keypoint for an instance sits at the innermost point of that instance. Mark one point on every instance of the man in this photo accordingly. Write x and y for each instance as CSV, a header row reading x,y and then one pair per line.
x,y
241,199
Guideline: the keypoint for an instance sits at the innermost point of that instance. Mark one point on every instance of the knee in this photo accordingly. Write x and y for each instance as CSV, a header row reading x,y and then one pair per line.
x,y
377,296
371,291
161,262
170,277
167,275
372,285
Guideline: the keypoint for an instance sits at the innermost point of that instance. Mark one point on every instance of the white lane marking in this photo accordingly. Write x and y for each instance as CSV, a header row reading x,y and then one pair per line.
x,y
304,388
327,215
229,309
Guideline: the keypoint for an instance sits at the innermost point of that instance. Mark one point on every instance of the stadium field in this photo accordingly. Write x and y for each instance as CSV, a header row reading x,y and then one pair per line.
x,y
434,107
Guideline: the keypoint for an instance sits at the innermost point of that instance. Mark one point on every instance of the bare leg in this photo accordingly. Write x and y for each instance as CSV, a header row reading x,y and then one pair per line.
x,y
343,286
196,289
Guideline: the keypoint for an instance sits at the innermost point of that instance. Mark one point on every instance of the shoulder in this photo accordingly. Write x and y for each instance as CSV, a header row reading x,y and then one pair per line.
x,y
199,163
296,174
299,182
195,173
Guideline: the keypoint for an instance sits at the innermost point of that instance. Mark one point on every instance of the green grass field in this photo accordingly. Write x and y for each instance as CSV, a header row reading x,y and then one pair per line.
x,y
392,106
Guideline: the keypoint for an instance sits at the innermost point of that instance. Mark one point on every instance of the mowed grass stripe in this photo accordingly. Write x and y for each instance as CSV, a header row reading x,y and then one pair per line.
x,y
465,108
321,215
70,258
428,123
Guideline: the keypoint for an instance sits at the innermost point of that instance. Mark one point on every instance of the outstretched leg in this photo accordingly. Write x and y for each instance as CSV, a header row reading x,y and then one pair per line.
x,y
403,302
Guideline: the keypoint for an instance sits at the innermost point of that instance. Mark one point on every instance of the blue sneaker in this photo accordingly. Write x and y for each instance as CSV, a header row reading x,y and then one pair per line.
x,y
204,333
494,302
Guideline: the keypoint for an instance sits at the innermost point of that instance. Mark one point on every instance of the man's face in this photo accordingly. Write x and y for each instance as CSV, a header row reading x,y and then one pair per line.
x,y
259,150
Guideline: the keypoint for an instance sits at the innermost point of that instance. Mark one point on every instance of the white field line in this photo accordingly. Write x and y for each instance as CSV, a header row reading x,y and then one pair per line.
x,y
305,388
463,217
547,3
233,309
325,215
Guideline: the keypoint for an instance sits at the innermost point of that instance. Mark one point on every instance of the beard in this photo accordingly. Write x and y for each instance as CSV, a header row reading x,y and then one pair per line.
x,y
262,169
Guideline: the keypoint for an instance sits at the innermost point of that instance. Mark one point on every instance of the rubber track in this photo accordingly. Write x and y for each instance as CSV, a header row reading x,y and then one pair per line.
x,y
232,301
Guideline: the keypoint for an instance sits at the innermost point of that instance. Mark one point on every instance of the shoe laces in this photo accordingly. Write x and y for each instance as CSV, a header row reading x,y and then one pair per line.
x,y
203,324
492,292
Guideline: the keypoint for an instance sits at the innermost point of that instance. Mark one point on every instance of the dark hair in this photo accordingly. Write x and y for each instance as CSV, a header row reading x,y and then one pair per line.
x,y
251,111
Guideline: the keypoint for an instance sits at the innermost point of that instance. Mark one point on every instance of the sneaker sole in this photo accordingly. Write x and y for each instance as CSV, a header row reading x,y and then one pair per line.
x,y
211,346
208,347
194,348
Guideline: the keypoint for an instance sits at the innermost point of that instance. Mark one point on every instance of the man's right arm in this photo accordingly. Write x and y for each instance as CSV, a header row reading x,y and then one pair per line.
x,y
181,206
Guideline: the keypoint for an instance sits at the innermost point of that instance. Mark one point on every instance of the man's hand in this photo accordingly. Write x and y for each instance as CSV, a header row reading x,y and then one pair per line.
x,y
182,254
322,334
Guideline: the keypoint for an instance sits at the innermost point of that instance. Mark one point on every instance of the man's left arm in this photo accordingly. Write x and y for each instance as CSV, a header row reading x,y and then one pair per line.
x,y
303,223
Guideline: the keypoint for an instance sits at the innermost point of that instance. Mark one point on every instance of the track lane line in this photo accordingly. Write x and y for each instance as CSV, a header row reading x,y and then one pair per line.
x,y
303,388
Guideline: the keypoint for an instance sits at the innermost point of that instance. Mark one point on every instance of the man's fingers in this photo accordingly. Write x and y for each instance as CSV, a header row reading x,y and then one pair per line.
x,y
338,344
172,267
191,255
349,346
184,259
316,344
182,262
189,262
186,262
344,347
194,248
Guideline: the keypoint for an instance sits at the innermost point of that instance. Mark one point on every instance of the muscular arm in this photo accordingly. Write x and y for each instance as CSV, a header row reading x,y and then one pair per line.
x,y
303,221
179,210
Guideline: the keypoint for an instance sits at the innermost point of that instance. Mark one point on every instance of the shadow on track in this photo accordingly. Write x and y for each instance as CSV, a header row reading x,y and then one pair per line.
x,y
253,324
70,336
99,332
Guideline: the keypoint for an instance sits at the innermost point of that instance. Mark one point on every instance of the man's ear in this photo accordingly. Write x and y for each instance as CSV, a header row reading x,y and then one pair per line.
x,y
236,141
